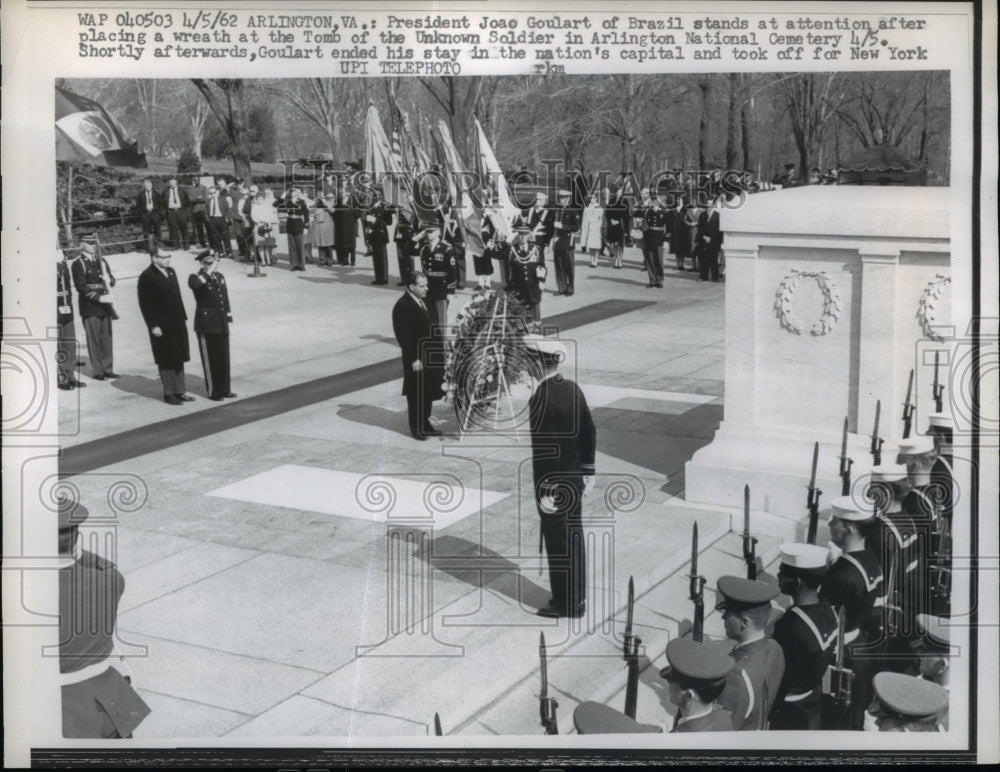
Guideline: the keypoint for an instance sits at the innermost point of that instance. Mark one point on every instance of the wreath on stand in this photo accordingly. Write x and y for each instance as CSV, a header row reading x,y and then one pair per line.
x,y
486,358
831,302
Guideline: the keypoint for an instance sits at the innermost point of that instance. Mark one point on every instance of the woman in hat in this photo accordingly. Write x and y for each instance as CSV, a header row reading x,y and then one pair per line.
x,y
616,227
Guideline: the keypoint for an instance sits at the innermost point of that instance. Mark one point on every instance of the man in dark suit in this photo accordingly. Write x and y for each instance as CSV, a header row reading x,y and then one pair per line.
x,y
709,242
563,444
653,217
212,318
163,311
218,221
66,342
178,207
566,222
150,206
406,249
411,324
93,280
198,197
376,222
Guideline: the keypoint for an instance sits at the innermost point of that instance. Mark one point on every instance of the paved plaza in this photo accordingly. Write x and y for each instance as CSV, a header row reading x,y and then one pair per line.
x,y
297,565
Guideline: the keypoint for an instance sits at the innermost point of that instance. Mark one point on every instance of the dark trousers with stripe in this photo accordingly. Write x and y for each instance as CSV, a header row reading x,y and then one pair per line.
x,y
100,345
562,533
380,262
565,268
66,352
214,348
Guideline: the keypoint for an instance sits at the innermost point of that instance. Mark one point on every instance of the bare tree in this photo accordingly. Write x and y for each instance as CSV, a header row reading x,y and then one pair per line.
x,y
810,106
459,98
230,110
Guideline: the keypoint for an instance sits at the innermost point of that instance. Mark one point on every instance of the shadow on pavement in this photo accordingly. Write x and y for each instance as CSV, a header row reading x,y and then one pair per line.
x,y
142,386
478,566
375,416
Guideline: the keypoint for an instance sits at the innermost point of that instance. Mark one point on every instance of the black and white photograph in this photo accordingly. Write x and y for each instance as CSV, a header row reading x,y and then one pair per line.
x,y
405,395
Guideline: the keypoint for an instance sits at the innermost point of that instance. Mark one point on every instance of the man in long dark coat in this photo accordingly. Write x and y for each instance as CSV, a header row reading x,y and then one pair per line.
x,y
345,227
411,324
163,311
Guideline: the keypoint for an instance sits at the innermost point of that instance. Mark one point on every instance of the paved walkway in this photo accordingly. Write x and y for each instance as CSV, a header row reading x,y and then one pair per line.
x,y
297,565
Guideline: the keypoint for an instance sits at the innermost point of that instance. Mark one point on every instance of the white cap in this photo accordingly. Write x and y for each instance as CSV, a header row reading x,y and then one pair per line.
x,y
797,555
941,419
888,473
547,347
848,508
915,446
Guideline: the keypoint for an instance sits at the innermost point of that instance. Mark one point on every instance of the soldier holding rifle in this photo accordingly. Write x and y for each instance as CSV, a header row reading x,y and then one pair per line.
x,y
806,633
845,464
854,584
758,662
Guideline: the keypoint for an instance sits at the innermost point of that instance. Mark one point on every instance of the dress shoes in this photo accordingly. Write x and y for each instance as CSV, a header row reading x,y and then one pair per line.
x,y
111,376
78,384
229,395
184,397
66,386
549,611
100,377
172,399
216,399
430,431
418,436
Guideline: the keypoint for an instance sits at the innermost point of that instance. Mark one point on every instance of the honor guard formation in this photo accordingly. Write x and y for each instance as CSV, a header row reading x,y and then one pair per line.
x,y
862,638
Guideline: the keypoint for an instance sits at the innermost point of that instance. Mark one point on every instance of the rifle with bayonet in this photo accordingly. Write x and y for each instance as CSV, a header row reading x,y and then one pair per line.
x,y
765,698
876,449
908,409
812,500
845,464
546,705
941,572
696,589
937,387
630,650
749,542
841,678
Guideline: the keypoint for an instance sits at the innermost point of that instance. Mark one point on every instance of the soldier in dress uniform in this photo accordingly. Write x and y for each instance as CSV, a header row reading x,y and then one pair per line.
x,y
563,445
406,250
854,583
66,342
696,675
758,662
296,210
908,704
653,218
212,318
98,700
453,234
919,454
376,222
901,544
441,269
806,632
565,222
526,272
540,224
93,280
494,235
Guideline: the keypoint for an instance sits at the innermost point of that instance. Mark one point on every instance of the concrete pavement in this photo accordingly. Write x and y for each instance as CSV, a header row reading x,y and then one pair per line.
x,y
310,570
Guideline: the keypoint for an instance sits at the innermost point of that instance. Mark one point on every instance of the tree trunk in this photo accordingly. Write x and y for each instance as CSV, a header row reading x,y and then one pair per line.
x,y
733,125
747,137
705,86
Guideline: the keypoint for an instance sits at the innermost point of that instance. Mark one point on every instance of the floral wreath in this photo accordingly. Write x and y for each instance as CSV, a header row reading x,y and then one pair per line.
x,y
831,302
487,354
927,307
